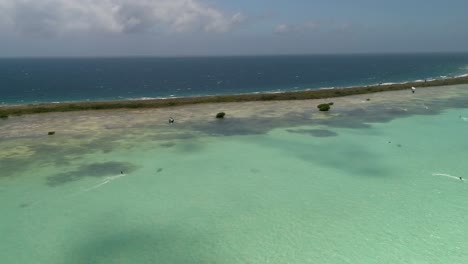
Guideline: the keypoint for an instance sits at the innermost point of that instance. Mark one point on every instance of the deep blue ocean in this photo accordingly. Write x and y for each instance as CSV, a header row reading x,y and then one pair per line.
x,y
26,80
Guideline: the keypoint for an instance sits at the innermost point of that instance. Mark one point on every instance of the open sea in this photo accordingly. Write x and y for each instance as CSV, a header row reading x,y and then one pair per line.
x,y
379,179
24,81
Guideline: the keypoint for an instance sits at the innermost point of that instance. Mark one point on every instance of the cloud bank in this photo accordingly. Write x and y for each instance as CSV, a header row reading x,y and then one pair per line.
x,y
48,17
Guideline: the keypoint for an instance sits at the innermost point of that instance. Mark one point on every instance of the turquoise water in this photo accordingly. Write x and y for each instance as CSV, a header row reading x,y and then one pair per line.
x,y
370,182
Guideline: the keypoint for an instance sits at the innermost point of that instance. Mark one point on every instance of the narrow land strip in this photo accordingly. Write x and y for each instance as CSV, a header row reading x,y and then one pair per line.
x,y
6,111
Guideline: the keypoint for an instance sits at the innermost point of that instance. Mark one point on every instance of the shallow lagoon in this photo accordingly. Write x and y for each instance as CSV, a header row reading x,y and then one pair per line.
x,y
275,182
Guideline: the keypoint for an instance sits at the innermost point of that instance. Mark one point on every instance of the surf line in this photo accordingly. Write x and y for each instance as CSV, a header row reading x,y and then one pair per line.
x,y
447,175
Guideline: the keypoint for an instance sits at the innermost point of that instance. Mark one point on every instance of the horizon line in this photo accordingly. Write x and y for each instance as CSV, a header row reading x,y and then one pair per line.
x,y
232,55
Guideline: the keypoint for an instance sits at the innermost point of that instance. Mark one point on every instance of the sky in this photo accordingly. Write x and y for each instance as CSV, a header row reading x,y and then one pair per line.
x,y
72,28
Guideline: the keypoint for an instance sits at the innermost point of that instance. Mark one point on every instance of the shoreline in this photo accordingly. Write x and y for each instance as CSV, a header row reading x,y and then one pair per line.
x,y
16,110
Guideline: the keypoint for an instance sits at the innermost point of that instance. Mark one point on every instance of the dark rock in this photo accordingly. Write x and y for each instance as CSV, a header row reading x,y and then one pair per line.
x,y
51,133
220,115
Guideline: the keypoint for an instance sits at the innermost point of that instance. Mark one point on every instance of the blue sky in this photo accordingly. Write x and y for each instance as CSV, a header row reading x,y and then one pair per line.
x,y
215,27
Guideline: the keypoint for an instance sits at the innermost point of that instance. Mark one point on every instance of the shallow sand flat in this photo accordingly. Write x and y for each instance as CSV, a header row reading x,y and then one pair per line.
x,y
24,141
96,122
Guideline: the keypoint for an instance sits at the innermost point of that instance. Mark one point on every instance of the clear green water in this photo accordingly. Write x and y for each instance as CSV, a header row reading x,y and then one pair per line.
x,y
339,190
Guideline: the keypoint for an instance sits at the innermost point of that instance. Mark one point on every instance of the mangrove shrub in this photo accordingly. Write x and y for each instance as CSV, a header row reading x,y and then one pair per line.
x,y
323,107
220,115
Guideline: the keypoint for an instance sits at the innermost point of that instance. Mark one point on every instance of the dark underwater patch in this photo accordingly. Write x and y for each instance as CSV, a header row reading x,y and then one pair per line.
x,y
167,145
344,122
13,166
91,170
157,244
170,136
314,132
241,126
254,170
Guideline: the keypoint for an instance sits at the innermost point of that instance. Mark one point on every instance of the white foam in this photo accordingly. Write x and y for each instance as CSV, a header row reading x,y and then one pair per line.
x,y
97,186
105,181
446,175
116,176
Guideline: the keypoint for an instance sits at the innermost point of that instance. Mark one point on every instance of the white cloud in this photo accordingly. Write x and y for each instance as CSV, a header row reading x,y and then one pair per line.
x,y
313,27
345,27
283,29
43,17
291,28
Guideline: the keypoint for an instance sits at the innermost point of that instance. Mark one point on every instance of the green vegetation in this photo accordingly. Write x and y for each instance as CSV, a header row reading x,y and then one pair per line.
x,y
220,115
3,116
323,107
158,103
